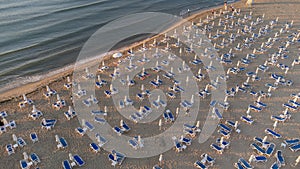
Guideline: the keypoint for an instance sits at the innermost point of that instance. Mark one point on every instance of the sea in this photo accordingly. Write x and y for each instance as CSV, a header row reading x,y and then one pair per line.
x,y
39,38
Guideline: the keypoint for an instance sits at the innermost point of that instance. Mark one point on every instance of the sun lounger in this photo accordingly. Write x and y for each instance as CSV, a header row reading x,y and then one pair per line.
x,y
261,141
66,164
260,104
238,165
217,148
78,160
189,132
258,149
295,148
179,146
156,167
291,142
62,143
279,118
116,157
12,124
246,120
34,158
24,164
272,133
100,120
270,150
255,108
208,159
124,127
95,148
34,137
21,142
245,163
260,159
48,124
223,144
9,149
101,140
89,125
186,140
199,164
275,165
118,130
224,133
279,158
286,105
296,104
81,131
226,128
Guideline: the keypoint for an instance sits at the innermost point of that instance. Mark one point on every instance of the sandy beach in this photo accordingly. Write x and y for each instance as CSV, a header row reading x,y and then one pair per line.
x,y
51,157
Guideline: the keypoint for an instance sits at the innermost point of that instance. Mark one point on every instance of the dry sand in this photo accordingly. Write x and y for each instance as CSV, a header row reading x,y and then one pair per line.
x,y
52,158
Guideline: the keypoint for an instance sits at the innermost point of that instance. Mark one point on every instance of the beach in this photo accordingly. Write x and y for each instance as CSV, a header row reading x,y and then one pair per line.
x,y
51,157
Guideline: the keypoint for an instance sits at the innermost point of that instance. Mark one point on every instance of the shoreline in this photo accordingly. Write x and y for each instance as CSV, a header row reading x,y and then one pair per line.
x,y
34,86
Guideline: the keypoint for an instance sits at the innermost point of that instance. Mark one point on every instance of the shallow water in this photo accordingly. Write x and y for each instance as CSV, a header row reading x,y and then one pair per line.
x,y
42,36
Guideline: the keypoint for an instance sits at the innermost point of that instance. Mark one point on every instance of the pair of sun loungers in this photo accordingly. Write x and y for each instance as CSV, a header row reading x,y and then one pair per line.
x,y
32,160
73,161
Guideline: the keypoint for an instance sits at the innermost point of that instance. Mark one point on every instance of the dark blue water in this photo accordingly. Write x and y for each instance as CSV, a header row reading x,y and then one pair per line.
x,y
40,36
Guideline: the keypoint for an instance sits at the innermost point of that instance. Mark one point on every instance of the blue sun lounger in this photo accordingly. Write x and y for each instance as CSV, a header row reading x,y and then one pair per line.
x,y
48,124
156,167
199,164
224,144
118,130
116,157
9,149
238,165
258,149
223,126
255,108
24,164
260,159
270,150
95,148
21,142
62,143
275,165
286,105
245,163
272,133
296,104
80,131
291,142
224,133
278,118
246,120
279,158
66,164
260,141
217,148
209,159
89,125
218,114
34,137
125,127
100,120
78,160
295,148
34,158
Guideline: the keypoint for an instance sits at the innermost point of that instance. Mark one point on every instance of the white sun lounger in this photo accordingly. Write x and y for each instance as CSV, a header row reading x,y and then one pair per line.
x,y
94,147
34,137
270,150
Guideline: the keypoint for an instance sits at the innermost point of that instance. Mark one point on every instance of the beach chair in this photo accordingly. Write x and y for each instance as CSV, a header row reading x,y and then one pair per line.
x,y
48,123
225,134
156,167
291,142
270,150
199,164
116,157
260,159
238,165
208,159
258,149
290,107
100,120
124,127
21,142
261,141
170,115
66,164
81,131
62,143
186,140
224,144
272,133
247,120
94,147
245,163
255,108
12,124
179,146
217,148
134,118
224,127
9,149
279,158
189,132
279,118
295,148
118,130
101,140
275,165
78,160
34,158
24,164
34,138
